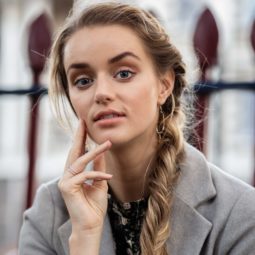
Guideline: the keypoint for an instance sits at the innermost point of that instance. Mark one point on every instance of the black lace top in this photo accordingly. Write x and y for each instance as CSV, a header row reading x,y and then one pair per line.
x,y
126,222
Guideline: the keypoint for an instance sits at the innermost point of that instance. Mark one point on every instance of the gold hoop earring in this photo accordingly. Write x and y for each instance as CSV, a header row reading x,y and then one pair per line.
x,y
161,125
172,106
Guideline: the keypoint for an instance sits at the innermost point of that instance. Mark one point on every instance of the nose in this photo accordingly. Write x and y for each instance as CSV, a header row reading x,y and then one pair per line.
x,y
104,92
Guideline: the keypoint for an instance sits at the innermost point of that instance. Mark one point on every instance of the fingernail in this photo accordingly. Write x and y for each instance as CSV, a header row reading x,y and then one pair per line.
x,y
108,142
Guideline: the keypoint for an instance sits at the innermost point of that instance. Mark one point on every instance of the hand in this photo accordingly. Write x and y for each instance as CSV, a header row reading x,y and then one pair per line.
x,y
86,203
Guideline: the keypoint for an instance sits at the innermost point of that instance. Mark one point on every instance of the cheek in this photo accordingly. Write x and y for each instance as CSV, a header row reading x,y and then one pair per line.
x,y
80,105
144,104
147,96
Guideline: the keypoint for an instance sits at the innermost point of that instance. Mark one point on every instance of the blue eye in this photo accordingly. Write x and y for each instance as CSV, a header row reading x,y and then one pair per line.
x,y
124,74
83,82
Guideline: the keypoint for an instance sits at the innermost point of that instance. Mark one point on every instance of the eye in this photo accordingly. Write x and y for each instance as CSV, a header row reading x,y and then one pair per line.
x,y
124,74
83,82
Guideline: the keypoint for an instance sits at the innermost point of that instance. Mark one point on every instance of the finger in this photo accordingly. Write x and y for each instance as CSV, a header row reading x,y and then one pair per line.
x,y
72,185
78,147
87,176
99,163
80,164
91,155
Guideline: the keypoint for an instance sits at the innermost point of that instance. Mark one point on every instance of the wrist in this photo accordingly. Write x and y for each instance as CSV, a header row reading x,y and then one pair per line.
x,y
88,234
78,230
87,242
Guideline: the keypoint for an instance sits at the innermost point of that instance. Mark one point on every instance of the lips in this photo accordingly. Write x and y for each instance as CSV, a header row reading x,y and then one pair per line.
x,y
110,114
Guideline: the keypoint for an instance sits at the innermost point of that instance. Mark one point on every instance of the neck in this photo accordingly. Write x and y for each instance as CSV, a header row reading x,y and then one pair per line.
x,y
129,165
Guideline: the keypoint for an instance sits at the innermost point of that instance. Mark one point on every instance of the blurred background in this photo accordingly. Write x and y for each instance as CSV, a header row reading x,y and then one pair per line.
x,y
217,40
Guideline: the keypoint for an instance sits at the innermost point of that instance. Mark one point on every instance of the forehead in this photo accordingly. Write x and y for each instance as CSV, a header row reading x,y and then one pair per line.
x,y
103,40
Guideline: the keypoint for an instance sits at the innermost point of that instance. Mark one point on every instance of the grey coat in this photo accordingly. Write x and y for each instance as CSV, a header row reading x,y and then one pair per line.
x,y
213,214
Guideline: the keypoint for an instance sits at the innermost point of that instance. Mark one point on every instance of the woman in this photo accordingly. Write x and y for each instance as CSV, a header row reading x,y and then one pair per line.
x,y
151,193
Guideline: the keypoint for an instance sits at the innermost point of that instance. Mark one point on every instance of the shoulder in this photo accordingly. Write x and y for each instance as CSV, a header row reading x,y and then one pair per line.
x,y
42,220
229,186
224,201
204,177
47,198
234,213
48,202
234,199
198,169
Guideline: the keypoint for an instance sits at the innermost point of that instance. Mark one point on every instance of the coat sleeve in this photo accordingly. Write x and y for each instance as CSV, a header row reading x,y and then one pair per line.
x,y
239,232
37,229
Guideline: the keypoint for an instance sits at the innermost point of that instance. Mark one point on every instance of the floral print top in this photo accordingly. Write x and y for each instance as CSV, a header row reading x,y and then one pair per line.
x,y
126,223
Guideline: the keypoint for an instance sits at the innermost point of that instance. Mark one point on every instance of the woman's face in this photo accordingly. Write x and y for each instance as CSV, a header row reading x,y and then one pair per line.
x,y
112,83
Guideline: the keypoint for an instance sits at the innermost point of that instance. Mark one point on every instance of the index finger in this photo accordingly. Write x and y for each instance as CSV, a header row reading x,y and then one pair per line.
x,y
78,147
99,163
81,163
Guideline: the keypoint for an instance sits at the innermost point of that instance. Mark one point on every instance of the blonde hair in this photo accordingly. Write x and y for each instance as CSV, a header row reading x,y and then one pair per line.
x,y
161,180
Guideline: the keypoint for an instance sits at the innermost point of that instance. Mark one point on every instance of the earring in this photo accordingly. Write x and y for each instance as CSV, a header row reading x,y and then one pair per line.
x,y
161,125
172,105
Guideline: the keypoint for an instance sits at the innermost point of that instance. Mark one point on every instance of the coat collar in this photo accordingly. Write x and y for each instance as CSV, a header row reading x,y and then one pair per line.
x,y
195,184
189,228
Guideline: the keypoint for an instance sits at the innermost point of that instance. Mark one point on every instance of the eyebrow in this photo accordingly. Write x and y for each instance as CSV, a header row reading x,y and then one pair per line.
x,y
121,56
113,60
78,66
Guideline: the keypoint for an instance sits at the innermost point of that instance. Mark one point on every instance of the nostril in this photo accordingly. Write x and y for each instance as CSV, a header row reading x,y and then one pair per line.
x,y
103,99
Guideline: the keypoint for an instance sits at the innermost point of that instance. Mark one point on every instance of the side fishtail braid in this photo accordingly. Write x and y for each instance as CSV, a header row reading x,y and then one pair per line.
x,y
162,179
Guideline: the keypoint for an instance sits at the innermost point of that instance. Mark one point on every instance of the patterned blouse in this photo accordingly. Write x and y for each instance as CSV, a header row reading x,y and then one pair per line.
x,y
126,223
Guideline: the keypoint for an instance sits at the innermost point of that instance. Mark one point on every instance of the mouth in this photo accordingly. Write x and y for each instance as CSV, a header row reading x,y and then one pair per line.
x,y
107,115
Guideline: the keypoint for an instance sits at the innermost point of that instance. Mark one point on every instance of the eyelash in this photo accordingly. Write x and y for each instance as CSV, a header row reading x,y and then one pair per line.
x,y
125,70
89,81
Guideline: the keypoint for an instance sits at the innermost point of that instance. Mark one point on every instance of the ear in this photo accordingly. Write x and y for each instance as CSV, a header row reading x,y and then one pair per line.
x,y
166,86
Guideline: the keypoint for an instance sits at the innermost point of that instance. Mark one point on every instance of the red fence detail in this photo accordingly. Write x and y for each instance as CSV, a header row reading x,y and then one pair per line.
x,y
253,36
38,46
205,41
253,46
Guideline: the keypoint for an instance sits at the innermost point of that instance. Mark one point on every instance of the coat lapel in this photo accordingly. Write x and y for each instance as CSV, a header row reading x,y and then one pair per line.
x,y
107,243
64,233
189,228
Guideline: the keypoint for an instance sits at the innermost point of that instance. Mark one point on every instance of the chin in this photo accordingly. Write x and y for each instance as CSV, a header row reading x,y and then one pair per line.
x,y
116,140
